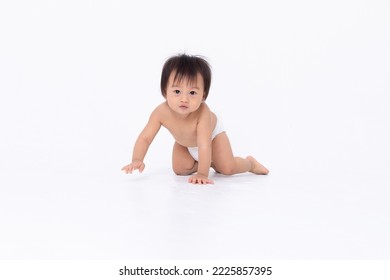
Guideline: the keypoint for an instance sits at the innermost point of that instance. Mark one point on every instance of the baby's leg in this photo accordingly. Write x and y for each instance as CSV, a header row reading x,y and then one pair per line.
x,y
182,162
257,167
226,163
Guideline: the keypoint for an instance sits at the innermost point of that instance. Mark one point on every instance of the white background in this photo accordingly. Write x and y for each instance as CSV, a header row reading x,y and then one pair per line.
x,y
301,85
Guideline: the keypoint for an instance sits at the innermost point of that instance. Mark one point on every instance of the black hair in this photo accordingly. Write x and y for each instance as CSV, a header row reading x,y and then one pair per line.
x,y
186,66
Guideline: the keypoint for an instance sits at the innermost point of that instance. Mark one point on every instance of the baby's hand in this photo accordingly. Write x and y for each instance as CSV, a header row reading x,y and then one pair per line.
x,y
134,166
200,179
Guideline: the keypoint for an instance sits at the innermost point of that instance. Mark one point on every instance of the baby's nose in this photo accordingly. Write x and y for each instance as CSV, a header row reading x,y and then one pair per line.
x,y
184,98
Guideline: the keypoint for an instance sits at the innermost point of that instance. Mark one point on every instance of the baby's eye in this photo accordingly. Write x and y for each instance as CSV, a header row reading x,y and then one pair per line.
x,y
176,91
192,92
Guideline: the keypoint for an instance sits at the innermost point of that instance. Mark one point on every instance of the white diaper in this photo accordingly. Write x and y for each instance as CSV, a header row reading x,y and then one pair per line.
x,y
217,130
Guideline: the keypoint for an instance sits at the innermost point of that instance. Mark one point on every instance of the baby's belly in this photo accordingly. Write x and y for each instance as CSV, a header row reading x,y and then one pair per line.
x,y
186,142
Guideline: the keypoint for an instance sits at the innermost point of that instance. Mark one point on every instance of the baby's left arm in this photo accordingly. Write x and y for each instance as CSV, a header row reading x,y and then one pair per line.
x,y
204,142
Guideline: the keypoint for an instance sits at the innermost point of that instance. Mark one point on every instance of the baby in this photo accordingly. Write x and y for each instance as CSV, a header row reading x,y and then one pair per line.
x,y
200,140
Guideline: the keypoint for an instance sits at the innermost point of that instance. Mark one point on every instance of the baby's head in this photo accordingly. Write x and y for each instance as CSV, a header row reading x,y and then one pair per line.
x,y
186,67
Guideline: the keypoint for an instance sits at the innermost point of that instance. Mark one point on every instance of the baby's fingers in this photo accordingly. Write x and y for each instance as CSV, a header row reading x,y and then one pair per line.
x,y
200,181
128,169
208,181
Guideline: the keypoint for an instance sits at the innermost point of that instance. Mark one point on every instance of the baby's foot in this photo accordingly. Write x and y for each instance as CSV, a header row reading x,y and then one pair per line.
x,y
257,167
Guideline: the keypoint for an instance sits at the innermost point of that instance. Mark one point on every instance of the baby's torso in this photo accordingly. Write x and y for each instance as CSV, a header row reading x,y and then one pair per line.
x,y
184,130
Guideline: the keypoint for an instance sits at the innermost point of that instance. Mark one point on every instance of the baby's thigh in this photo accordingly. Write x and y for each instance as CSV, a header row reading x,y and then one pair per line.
x,y
182,161
222,153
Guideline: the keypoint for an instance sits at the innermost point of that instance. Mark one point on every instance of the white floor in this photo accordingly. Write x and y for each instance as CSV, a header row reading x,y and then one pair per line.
x,y
76,214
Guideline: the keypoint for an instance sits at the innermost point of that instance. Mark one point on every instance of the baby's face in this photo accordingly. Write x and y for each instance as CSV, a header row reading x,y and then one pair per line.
x,y
184,96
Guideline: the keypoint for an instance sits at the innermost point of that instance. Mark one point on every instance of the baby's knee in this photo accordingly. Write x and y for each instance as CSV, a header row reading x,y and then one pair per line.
x,y
182,171
227,170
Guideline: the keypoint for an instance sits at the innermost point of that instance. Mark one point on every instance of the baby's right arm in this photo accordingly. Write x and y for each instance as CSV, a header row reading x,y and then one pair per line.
x,y
143,142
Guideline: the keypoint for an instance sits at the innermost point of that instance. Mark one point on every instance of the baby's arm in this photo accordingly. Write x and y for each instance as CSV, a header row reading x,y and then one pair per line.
x,y
204,149
143,142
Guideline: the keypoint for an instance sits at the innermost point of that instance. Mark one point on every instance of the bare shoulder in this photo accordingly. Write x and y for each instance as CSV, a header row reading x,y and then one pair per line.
x,y
204,110
205,114
160,112
162,108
